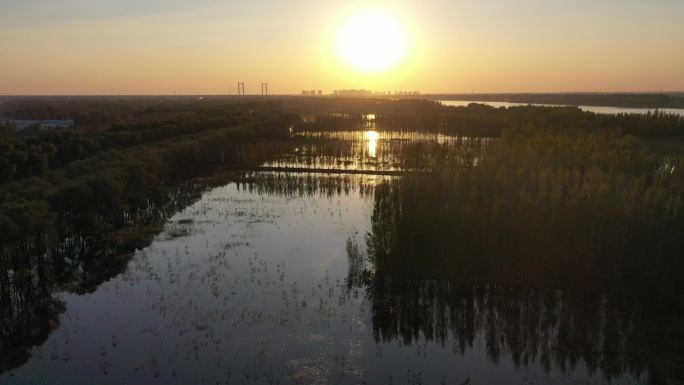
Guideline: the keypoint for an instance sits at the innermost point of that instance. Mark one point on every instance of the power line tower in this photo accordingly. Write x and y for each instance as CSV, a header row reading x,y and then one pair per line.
x,y
241,88
264,89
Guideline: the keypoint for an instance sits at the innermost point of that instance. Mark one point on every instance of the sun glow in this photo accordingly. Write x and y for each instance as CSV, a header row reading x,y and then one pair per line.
x,y
372,41
372,137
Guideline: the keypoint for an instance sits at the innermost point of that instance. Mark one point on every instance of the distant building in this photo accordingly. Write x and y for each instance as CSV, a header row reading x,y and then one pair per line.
x,y
356,93
312,93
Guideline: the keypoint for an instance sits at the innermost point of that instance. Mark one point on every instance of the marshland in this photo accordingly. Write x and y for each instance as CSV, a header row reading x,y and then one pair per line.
x,y
292,240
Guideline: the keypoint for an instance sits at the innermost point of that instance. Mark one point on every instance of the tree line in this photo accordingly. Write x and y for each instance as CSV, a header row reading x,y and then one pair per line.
x,y
95,180
478,120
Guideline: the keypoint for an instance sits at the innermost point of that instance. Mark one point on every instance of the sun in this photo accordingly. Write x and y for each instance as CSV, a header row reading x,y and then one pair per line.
x,y
372,41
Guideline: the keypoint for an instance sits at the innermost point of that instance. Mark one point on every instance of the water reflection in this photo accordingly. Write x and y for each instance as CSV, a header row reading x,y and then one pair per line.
x,y
251,284
31,274
309,184
372,138
319,279
245,285
432,278
376,150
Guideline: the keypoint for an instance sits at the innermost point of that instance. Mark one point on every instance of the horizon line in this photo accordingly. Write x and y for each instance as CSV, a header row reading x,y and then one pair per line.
x,y
661,92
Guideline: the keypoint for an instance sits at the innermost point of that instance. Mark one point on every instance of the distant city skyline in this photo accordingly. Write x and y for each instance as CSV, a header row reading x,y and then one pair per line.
x,y
166,47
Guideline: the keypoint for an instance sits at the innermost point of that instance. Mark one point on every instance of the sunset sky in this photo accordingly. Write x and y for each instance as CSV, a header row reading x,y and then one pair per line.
x,y
206,46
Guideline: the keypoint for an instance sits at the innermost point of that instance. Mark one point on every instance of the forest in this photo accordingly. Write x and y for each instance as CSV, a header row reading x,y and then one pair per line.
x,y
542,209
93,180
547,229
126,151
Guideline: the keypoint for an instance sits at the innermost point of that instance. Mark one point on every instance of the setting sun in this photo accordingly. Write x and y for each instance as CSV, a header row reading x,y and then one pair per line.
x,y
372,41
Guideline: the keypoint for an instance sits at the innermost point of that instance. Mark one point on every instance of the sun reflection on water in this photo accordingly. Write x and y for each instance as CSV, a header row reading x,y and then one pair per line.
x,y
372,138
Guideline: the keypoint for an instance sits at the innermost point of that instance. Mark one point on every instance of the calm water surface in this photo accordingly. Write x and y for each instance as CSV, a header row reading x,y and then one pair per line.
x,y
250,287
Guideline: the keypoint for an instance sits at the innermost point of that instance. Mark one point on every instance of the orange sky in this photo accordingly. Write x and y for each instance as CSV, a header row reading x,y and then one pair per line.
x,y
206,46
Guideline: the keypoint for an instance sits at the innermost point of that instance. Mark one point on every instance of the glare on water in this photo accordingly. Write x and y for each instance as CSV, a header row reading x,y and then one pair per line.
x,y
372,138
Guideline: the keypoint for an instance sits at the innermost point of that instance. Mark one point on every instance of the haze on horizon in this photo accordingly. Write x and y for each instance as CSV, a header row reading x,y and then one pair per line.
x,y
206,46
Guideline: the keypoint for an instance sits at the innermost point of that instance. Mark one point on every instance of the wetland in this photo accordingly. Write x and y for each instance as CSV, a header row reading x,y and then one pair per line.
x,y
543,249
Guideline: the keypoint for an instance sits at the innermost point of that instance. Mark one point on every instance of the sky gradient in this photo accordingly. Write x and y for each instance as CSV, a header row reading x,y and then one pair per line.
x,y
97,47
